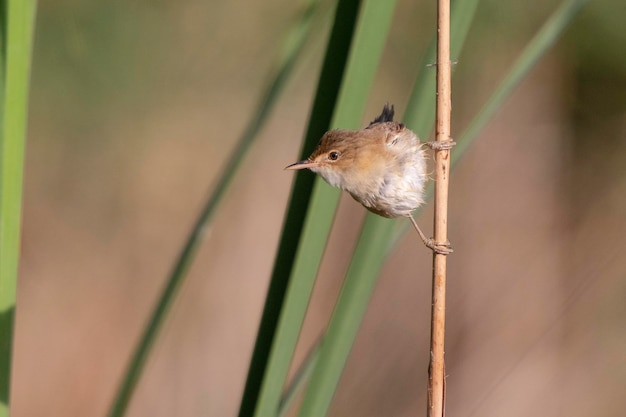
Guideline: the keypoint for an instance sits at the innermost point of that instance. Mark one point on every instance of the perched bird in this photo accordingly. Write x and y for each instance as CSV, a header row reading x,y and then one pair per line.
x,y
383,167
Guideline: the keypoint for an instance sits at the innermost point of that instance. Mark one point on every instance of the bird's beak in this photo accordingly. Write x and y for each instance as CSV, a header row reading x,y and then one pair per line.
x,y
303,164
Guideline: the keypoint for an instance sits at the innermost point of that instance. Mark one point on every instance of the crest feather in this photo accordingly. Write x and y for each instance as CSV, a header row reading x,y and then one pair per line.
x,y
385,116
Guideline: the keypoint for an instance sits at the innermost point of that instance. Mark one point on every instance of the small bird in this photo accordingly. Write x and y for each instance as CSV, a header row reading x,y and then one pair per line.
x,y
383,167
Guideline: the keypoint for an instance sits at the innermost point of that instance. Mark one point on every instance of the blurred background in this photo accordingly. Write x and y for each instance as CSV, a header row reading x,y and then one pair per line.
x,y
135,107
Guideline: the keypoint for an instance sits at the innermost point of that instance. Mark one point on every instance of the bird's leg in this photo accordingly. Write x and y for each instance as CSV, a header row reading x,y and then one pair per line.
x,y
442,248
441,145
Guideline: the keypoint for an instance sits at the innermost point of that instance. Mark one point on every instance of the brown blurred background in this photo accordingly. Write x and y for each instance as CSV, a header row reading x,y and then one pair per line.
x,y
136,105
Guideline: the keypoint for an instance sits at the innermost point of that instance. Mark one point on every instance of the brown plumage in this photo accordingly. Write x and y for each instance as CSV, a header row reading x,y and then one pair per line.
x,y
383,167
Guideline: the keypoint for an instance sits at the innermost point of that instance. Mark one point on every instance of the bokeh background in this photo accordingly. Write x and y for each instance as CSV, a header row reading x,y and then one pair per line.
x,y
134,108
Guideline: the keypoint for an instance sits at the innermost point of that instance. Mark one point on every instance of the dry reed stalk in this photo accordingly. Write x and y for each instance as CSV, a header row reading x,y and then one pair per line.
x,y
436,369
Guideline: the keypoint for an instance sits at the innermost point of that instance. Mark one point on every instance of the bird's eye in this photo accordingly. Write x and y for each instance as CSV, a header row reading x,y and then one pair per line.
x,y
333,155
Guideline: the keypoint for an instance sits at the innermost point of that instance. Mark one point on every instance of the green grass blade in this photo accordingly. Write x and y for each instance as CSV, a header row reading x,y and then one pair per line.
x,y
367,261
301,377
346,319
17,20
373,24
542,42
294,45
321,114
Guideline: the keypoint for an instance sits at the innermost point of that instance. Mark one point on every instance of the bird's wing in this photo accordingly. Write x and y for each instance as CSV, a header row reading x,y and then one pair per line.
x,y
397,136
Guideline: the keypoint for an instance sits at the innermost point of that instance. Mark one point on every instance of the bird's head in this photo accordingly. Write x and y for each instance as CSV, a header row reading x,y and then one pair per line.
x,y
334,158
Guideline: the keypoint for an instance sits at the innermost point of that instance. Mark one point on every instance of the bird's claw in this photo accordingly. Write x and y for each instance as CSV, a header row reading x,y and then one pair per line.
x,y
441,145
441,248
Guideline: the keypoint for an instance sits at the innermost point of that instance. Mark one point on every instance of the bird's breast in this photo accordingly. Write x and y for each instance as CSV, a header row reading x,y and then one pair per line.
x,y
398,188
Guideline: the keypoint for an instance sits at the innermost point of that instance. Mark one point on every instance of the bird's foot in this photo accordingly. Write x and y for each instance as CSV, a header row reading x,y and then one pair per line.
x,y
441,145
441,248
